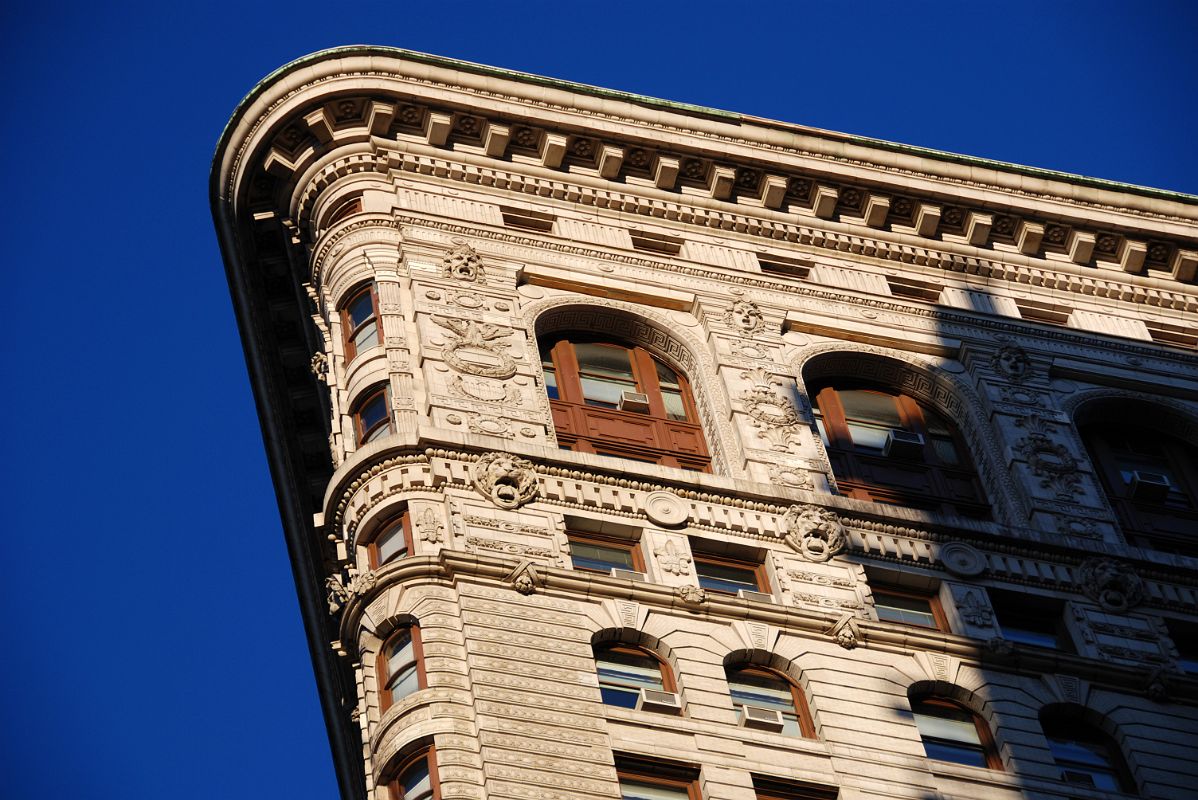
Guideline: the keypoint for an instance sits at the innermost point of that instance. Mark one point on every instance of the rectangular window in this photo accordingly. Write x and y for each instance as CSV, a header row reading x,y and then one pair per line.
x,y
909,608
728,575
1185,639
643,779
1031,619
360,322
768,788
601,554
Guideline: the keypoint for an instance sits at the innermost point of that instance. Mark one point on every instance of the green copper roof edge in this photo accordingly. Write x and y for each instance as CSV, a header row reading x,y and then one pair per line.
x,y
688,108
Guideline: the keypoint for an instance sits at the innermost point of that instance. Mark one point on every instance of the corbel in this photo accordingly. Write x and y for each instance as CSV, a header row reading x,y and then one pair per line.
x,y
1029,235
825,202
773,191
611,158
927,219
666,174
321,125
379,117
553,150
1081,246
1184,265
722,181
437,127
1132,255
877,208
496,139
977,228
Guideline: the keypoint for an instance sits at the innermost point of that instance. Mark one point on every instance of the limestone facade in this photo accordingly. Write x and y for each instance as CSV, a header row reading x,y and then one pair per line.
x,y
490,212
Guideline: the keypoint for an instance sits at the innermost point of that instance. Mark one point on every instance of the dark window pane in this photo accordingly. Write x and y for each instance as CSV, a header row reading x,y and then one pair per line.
x,y
870,407
373,411
907,610
623,674
360,309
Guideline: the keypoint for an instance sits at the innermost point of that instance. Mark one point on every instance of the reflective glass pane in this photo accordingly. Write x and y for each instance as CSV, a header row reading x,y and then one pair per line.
x,y
675,407
726,577
551,383
416,782
400,654
631,789
864,406
367,337
958,754
599,557
667,377
765,691
948,724
622,675
946,450
373,411
868,435
907,610
378,433
603,359
604,391
360,309
404,683
391,545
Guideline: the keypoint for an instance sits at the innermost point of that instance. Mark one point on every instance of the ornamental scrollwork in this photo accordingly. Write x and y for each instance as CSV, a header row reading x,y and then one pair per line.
x,y
1053,464
319,365
507,481
428,525
1112,585
815,533
462,262
339,592
774,416
672,561
473,348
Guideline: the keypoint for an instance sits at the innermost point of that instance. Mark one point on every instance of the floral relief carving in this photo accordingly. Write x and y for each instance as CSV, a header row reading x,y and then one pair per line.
x,y
974,610
693,595
745,316
845,632
490,426
1053,464
774,416
794,477
672,561
815,533
1114,586
461,262
428,525
485,390
525,578
473,348
1013,363
505,480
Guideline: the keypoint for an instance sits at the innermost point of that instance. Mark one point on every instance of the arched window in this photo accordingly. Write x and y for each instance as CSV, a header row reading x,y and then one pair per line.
x,y
416,778
393,541
1086,755
360,321
372,416
615,399
762,695
1150,477
625,671
951,732
401,665
887,447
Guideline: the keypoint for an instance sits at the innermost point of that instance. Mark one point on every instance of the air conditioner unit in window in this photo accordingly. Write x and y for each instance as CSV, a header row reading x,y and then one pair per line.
x,y
1079,778
1150,486
903,444
766,719
757,597
634,401
657,700
628,574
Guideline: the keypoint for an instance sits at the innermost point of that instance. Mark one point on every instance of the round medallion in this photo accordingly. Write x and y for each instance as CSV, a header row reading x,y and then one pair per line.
x,y
666,509
962,560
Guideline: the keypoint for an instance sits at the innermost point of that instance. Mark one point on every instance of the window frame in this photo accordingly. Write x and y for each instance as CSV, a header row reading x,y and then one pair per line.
x,y
577,422
668,684
349,331
756,567
798,699
1008,604
852,462
633,547
429,756
1117,764
366,436
988,744
932,597
658,773
386,696
768,787
404,522
1134,515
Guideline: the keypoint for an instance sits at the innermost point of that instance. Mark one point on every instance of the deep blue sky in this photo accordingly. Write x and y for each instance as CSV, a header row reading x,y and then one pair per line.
x,y
152,641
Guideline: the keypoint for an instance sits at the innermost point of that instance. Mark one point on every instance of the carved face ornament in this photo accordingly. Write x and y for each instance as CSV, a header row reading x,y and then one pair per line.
x,y
816,533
